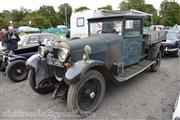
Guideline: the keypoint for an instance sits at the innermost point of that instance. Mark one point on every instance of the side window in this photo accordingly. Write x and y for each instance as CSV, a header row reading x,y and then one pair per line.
x,y
80,22
33,39
132,27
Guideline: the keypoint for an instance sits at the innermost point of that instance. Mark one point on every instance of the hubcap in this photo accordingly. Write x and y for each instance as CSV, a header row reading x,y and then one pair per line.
x,y
19,71
92,95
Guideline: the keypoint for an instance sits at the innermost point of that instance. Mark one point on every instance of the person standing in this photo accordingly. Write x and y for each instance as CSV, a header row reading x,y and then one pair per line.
x,y
10,39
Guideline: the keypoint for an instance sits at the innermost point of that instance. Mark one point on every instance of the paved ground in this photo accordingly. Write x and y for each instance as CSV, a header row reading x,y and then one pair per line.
x,y
148,96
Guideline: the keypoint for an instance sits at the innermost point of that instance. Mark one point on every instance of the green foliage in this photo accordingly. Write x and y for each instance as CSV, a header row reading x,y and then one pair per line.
x,y
132,4
148,8
108,7
65,11
40,22
81,9
170,13
49,14
3,24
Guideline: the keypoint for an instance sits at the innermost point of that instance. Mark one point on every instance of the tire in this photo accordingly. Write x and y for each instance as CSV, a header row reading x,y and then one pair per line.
x,y
1,61
16,71
155,66
32,80
77,102
177,53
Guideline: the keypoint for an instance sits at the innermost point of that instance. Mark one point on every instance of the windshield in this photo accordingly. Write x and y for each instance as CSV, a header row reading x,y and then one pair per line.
x,y
108,27
172,36
22,39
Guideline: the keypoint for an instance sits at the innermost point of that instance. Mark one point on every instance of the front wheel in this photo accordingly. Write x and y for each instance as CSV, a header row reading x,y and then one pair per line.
x,y
177,53
155,67
85,96
44,87
16,70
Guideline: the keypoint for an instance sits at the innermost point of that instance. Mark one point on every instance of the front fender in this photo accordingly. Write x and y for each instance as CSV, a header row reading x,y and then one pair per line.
x,y
17,58
79,68
39,64
33,61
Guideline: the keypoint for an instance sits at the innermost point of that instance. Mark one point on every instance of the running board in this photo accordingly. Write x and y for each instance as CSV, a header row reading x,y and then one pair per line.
x,y
134,70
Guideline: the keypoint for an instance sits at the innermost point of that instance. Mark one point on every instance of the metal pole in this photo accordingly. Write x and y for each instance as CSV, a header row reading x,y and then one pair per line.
x,y
65,14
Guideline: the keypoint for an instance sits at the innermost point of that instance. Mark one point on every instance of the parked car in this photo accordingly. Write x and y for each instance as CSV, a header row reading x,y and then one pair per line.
x,y
33,39
116,49
172,43
13,63
176,114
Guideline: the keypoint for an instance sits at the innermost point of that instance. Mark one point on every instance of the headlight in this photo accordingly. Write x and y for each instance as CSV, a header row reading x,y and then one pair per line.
x,y
63,54
42,51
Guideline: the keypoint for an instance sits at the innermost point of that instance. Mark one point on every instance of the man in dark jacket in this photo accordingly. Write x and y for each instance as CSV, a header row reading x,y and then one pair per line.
x,y
10,39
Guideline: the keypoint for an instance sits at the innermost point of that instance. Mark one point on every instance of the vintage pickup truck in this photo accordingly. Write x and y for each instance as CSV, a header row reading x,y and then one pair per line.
x,y
116,49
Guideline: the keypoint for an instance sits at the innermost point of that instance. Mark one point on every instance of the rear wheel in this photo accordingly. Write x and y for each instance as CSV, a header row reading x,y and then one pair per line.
x,y
156,65
44,87
85,96
16,70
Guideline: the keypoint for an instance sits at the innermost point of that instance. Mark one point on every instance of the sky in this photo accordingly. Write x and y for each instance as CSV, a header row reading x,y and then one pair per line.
x,y
92,4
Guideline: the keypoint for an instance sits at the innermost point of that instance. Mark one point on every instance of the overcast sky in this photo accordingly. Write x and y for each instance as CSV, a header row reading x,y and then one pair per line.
x,y
92,4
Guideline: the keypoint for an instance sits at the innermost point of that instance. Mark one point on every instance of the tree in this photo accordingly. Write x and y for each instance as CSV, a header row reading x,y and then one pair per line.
x,y
81,9
170,13
65,11
49,13
40,22
149,8
132,4
6,15
3,24
108,7
141,6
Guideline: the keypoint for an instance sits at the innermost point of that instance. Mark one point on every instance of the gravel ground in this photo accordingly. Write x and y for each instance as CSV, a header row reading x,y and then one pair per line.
x,y
148,96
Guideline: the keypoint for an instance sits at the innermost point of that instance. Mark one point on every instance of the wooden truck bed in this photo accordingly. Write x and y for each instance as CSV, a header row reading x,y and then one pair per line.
x,y
151,37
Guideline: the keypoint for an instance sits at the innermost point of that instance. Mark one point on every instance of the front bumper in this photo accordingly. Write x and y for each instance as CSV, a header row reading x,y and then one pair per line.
x,y
171,49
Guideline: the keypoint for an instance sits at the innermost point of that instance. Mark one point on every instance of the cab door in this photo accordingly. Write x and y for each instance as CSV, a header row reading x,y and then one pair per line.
x,y
132,41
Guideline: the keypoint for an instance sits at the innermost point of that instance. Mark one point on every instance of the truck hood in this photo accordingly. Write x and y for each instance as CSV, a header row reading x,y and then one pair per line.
x,y
98,43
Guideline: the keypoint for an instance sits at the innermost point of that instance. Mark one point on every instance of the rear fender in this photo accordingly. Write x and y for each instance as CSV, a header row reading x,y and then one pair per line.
x,y
79,68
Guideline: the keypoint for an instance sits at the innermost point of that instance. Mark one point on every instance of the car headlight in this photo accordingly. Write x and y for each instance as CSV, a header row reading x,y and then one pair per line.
x,y
63,54
42,51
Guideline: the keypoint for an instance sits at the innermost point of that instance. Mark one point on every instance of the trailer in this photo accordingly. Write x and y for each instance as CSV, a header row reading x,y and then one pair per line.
x,y
79,23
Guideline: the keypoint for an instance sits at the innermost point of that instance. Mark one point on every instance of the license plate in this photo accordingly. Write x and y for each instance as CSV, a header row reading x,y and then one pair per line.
x,y
55,62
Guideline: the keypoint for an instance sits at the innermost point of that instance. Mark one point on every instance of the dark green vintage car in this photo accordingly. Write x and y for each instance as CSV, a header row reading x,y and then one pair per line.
x,y
116,49
13,63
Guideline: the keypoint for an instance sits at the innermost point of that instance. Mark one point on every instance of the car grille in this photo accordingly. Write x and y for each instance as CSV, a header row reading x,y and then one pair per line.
x,y
55,53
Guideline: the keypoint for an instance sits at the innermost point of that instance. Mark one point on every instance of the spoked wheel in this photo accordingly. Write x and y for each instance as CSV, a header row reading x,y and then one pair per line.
x,y
16,70
85,96
44,87
156,65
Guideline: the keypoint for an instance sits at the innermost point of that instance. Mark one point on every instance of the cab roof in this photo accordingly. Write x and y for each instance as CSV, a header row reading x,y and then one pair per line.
x,y
114,16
